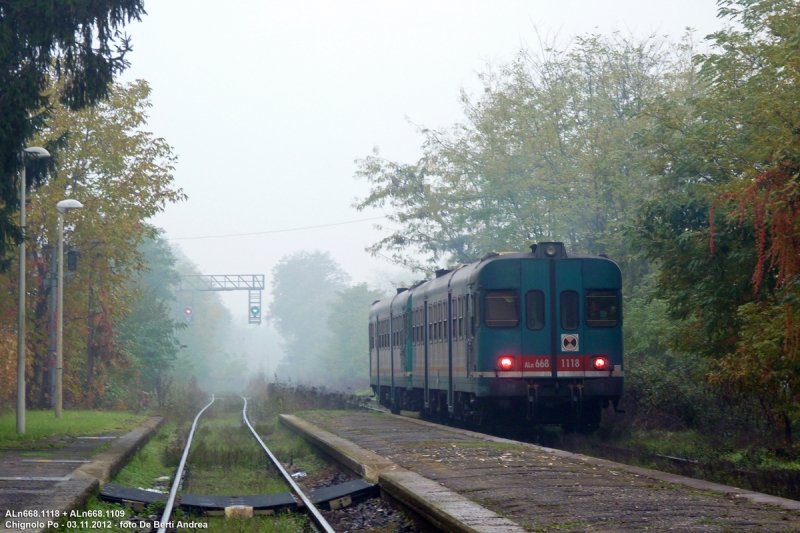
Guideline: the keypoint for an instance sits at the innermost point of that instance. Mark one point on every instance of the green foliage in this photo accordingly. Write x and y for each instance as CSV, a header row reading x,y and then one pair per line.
x,y
148,332
666,384
724,230
548,152
346,356
303,286
123,176
81,42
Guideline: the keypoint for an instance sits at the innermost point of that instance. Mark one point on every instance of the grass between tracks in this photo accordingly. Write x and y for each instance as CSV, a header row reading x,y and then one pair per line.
x,y
43,424
225,459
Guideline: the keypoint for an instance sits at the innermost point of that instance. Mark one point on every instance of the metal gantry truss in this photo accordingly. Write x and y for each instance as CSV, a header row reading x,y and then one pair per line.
x,y
253,283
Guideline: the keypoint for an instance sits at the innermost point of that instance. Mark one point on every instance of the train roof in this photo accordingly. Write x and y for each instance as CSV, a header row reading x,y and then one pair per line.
x,y
467,272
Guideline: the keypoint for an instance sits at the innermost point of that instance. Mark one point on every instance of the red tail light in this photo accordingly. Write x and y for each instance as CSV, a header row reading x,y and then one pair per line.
x,y
600,363
505,363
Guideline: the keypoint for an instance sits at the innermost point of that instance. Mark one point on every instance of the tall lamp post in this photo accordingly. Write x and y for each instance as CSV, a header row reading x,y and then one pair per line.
x,y
63,207
34,152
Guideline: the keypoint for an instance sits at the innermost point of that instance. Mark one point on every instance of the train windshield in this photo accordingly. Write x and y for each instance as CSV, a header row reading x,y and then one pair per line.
x,y
602,308
501,309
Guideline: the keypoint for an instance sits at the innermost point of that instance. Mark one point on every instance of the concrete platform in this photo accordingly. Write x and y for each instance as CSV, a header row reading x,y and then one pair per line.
x,y
444,508
535,488
63,473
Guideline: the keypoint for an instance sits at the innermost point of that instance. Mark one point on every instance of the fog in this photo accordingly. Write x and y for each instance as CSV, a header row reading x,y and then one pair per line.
x,y
268,104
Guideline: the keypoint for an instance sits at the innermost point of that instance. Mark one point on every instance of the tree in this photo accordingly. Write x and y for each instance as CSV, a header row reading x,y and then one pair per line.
x,y
548,152
81,42
148,332
303,286
726,229
346,356
123,176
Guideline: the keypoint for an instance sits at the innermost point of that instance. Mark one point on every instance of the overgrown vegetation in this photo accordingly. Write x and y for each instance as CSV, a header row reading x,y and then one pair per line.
x,y
683,168
42,424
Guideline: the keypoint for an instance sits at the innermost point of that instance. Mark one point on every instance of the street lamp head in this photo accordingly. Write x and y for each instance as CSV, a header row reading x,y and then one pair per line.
x,y
66,205
36,152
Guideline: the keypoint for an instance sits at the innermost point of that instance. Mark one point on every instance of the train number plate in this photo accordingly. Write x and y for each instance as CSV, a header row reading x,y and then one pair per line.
x,y
536,363
572,363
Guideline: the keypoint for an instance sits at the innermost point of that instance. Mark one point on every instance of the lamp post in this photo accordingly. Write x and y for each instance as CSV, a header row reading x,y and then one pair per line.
x,y
34,152
63,207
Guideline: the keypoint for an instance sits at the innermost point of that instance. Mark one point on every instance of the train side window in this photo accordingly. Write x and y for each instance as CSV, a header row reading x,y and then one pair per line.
x,y
602,308
460,315
454,320
569,310
501,309
435,323
430,324
534,310
440,318
445,322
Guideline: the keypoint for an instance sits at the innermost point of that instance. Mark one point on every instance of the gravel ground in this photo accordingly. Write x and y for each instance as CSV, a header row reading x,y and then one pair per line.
x,y
543,492
368,516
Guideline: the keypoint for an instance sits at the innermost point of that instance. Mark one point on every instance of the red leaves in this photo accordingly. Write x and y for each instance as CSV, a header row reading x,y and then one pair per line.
x,y
773,199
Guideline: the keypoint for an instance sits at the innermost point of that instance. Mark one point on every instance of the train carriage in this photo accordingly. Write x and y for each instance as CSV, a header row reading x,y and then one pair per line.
x,y
536,336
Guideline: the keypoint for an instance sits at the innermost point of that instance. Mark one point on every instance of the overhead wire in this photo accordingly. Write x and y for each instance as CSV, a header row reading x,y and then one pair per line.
x,y
275,230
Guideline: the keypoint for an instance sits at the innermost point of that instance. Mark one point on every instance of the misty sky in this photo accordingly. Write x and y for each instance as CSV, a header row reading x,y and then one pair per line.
x,y
268,104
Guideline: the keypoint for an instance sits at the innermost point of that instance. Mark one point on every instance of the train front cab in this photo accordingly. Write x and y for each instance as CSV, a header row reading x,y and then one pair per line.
x,y
548,337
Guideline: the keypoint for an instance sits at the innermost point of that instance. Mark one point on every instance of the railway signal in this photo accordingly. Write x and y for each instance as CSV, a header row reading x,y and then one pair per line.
x,y
255,311
188,313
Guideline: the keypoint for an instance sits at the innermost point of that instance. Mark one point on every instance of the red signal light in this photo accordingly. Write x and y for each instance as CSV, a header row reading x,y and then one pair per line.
x,y
600,363
505,363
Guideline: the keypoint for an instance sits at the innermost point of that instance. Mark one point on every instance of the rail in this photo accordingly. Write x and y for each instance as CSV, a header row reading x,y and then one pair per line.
x,y
316,517
179,474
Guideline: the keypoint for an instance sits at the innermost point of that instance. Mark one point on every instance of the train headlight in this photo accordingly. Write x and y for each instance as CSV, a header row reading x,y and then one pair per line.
x,y
600,363
550,251
505,363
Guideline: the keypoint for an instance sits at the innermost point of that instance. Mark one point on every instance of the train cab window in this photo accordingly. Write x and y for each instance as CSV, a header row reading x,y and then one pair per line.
x,y
371,340
569,310
501,309
534,310
602,309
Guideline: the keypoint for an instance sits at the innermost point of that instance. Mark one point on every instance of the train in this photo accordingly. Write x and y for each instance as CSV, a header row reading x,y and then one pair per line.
x,y
530,337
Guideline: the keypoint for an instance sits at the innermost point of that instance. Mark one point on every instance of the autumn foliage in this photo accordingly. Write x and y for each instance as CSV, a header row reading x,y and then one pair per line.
x,y
122,174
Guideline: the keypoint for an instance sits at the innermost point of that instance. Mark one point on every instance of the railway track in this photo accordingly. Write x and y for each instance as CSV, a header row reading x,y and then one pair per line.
x,y
344,501
319,522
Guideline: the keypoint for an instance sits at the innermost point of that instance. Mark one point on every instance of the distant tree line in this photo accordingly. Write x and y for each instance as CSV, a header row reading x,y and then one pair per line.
x,y
681,166
322,320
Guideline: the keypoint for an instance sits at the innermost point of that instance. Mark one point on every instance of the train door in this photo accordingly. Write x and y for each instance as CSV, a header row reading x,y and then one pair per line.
x,y
392,343
378,342
449,340
469,332
538,346
569,326
426,346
